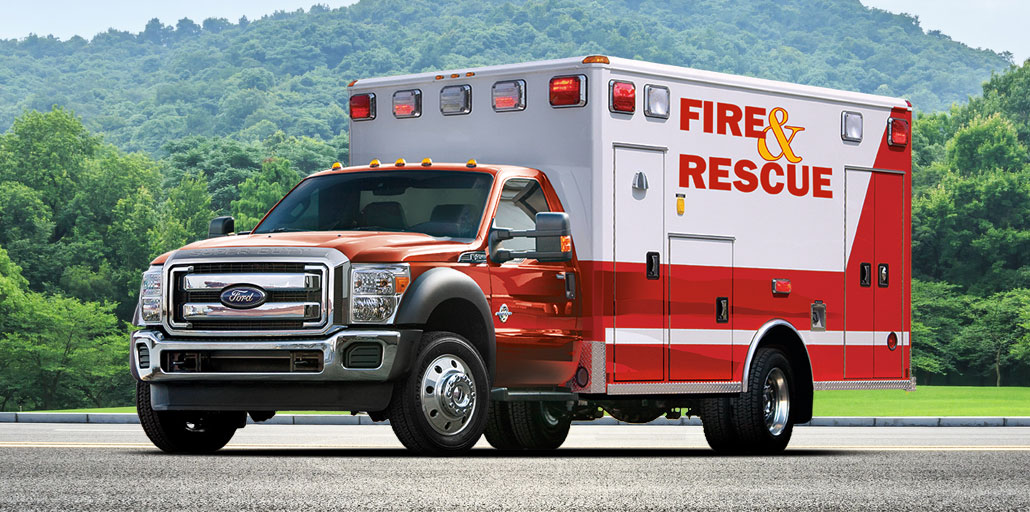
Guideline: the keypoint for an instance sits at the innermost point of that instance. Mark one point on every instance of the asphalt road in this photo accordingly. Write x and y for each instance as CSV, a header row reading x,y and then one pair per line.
x,y
107,467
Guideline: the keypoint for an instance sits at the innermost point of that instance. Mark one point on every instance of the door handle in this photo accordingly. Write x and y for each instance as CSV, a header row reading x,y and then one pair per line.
x,y
654,265
883,274
570,284
865,274
722,310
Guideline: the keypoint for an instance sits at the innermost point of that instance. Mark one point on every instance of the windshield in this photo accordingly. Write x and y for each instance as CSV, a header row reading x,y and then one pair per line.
x,y
445,204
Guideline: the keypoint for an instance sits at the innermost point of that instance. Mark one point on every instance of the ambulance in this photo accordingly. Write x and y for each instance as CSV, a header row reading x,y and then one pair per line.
x,y
518,247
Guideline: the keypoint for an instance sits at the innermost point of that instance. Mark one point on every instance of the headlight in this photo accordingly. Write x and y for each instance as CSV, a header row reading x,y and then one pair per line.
x,y
150,295
375,292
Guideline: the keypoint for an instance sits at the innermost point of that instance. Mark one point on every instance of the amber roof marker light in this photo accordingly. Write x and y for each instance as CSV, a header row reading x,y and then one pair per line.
x,y
596,59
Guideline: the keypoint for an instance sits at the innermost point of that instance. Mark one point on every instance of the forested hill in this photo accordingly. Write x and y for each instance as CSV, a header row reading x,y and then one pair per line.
x,y
289,71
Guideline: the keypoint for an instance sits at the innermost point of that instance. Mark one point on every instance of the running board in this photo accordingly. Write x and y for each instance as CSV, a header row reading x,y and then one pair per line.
x,y
528,395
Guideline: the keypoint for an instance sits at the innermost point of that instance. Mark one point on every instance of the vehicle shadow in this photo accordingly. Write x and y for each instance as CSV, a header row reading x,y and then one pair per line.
x,y
489,453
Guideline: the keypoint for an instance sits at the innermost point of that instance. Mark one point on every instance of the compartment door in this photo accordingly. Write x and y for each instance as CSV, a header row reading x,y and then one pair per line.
x,y
639,331
889,254
700,309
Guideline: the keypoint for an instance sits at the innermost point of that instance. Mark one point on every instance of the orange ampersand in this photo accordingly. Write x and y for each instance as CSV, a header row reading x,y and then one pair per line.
x,y
776,124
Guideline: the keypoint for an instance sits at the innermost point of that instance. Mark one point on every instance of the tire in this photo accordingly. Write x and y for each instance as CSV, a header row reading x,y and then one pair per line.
x,y
440,408
764,422
195,432
499,431
717,421
540,425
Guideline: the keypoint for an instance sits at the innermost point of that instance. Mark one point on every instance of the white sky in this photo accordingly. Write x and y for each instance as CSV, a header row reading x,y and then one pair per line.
x,y
65,18
1000,25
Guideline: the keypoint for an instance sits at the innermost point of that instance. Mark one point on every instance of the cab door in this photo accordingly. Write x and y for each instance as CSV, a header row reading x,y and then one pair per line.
x,y
534,315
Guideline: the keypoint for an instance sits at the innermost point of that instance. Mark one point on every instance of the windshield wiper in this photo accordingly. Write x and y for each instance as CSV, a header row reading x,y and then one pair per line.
x,y
284,230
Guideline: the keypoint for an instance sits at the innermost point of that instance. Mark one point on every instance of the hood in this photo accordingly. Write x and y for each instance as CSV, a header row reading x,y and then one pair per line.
x,y
358,246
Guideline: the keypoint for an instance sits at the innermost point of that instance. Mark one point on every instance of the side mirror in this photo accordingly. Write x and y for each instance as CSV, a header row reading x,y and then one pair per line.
x,y
221,226
553,240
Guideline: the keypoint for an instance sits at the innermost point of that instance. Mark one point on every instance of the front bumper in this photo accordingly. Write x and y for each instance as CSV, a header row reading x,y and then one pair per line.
x,y
398,347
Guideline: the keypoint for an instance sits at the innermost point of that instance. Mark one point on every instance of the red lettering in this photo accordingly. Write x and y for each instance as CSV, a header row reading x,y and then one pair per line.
x,y
686,105
821,182
729,116
719,170
767,184
692,168
755,119
708,116
747,181
792,179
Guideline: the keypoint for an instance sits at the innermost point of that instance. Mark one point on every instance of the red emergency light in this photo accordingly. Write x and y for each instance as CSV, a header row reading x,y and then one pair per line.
x,y
568,91
781,286
363,106
898,135
622,97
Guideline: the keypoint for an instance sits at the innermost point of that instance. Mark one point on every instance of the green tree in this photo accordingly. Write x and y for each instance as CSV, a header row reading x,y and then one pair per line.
x,y
985,144
26,227
998,334
183,217
259,193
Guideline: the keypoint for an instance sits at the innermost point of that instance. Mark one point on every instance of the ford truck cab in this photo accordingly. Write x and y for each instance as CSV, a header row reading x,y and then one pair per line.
x,y
364,289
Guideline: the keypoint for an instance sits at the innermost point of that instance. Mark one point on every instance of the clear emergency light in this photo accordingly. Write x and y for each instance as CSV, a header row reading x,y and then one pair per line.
x,y
407,104
622,97
363,107
456,100
509,96
898,132
656,101
851,126
568,91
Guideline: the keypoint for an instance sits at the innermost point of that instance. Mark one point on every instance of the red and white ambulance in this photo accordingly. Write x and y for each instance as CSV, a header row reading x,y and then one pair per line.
x,y
610,235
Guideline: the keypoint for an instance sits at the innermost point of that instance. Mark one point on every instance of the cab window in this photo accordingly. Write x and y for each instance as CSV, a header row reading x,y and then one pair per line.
x,y
521,199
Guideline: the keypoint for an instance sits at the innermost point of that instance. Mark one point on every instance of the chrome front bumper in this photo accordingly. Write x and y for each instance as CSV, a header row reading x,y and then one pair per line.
x,y
397,347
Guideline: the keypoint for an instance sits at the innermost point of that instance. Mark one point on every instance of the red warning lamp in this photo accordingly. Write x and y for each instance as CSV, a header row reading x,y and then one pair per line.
x,y
781,286
568,91
363,106
898,135
623,97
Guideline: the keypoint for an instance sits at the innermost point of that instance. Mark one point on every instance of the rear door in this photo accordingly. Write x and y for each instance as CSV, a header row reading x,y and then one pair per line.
x,y
639,333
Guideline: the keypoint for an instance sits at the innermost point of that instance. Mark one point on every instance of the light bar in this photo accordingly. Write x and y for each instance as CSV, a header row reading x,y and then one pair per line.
x,y
622,97
363,107
656,101
851,126
407,104
898,132
456,100
568,91
509,96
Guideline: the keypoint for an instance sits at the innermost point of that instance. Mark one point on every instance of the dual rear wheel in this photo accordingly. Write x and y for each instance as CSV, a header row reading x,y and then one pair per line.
x,y
759,421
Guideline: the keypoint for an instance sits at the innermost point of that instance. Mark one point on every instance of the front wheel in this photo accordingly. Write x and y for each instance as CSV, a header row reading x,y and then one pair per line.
x,y
440,408
762,414
196,432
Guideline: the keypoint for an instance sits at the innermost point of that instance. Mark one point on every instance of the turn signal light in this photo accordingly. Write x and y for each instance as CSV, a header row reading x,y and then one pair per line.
x,y
781,286
898,132
568,91
363,107
400,283
566,243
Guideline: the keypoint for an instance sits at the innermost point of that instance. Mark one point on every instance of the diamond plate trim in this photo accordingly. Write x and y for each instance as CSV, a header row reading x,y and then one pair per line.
x,y
592,357
682,388
843,385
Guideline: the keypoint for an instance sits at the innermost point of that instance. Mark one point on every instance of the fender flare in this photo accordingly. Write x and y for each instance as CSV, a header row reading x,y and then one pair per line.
x,y
441,284
757,339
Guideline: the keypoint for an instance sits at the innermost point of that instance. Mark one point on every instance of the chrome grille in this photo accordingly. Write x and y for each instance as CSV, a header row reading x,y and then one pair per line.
x,y
296,296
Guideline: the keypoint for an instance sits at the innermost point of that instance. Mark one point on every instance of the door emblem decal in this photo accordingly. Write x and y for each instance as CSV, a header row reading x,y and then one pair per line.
x,y
503,313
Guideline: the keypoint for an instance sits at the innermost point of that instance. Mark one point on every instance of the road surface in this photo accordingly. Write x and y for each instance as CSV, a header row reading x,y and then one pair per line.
x,y
106,467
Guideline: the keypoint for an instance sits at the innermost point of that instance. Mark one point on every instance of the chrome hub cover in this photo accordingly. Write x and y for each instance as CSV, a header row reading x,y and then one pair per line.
x,y
448,395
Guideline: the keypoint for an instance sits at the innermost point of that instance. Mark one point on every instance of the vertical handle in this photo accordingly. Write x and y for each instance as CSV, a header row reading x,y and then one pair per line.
x,y
653,265
722,310
865,274
883,273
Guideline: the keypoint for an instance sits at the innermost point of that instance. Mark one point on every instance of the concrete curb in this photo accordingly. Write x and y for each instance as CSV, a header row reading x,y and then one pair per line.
x,y
362,419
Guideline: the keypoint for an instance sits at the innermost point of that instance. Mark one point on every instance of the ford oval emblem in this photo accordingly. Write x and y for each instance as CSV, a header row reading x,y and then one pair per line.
x,y
243,297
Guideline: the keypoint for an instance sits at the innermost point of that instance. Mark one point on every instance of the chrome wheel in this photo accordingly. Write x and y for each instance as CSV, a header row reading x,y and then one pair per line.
x,y
448,394
776,401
